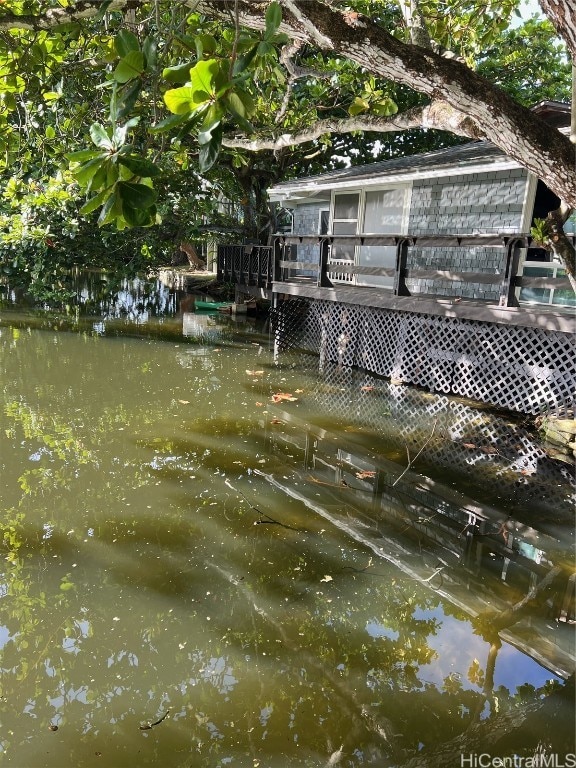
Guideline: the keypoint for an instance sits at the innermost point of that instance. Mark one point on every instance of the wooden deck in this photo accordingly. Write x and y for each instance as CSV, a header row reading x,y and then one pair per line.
x,y
271,272
546,318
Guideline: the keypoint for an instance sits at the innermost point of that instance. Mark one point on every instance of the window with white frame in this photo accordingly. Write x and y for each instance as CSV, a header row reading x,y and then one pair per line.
x,y
385,213
375,211
540,263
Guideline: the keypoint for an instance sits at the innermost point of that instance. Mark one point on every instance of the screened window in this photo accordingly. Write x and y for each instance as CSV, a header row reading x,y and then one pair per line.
x,y
381,211
345,222
386,213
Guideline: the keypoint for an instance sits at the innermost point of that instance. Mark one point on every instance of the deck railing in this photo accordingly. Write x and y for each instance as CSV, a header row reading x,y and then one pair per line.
x,y
263,266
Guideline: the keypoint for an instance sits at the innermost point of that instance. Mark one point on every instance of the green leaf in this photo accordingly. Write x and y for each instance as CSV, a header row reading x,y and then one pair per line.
x,y
120,131
83,154
235,104
9,101
127,97
247,101
94,202
210,151
385,108
208,76
168,123
243,62
186,99
143,217
240,105
99,178
264,48
131,66
100,137
140,166
212,118
280,38
186,41
273,18
358,106
136,195
101,11
84,173
205,45
178,74
110,211
150,51
125,42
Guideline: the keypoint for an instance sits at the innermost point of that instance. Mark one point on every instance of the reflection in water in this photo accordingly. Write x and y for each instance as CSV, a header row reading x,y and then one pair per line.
x,y
290,584
479,556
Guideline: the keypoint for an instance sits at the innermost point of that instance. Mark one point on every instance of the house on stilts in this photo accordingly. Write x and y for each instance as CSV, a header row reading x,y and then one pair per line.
x,y
422,269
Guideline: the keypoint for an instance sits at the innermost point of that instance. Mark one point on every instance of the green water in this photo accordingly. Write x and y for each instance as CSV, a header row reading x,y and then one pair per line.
x,y
259,577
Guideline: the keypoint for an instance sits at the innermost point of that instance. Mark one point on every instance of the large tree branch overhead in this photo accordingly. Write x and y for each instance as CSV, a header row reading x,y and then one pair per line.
x,y
562,13
518,132
438,115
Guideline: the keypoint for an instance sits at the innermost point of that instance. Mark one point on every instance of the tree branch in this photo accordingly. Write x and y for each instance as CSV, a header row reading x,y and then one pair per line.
x,y
53,17
438,115
517,131
414,20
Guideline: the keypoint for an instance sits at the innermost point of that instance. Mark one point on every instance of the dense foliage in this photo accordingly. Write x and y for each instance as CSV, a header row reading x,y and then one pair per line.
x,y
123,132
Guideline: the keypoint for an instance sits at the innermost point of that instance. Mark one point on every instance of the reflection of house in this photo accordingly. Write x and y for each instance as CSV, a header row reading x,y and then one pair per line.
x,y
479,555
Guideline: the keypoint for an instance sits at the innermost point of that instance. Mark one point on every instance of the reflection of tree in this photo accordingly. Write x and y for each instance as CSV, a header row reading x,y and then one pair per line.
x,y
538,725
117,614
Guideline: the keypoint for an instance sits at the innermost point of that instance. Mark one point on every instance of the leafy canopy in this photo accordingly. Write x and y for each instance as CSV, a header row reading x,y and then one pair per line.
x,y
128,99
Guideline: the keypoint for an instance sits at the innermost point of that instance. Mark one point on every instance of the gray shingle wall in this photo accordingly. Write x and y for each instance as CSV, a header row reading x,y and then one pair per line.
x,y
478,203
474,203
465,204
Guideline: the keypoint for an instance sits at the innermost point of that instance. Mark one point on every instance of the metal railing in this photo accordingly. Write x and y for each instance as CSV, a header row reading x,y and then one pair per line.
x,y
263,266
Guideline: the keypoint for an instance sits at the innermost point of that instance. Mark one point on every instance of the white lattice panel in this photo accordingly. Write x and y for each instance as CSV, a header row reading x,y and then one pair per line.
x,y
466,442
521,369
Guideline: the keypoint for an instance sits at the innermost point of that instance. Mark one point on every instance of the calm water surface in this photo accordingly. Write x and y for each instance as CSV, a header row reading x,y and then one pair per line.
x,y
196,575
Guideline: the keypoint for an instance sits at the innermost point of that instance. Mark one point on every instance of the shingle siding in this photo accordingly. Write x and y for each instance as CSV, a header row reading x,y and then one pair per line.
x,y
477,203
469,204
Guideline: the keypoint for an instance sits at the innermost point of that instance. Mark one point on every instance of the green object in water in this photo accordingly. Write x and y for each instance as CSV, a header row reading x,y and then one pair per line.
x,y
206,305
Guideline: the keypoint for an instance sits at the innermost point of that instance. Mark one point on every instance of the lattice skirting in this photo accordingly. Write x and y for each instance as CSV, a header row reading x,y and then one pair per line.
x,y
521,369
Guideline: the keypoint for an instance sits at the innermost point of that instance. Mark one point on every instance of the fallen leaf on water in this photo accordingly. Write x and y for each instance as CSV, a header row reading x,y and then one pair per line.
x,y
255,373
326,578
365,473
280,396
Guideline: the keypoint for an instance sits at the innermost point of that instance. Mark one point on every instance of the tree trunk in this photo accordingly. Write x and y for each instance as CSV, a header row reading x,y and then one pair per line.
x,y
560,244
562,13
